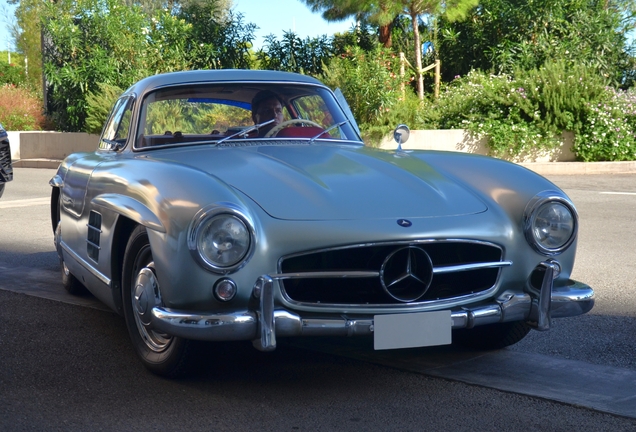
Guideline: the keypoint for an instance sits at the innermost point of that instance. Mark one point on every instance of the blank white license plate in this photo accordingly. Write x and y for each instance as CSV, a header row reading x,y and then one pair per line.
x,y
412,330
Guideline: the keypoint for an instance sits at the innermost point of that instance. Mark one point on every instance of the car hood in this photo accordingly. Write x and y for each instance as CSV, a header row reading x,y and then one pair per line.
x,y
329,182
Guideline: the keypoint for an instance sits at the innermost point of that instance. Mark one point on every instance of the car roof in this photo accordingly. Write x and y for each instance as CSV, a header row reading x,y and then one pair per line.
x,y
221,75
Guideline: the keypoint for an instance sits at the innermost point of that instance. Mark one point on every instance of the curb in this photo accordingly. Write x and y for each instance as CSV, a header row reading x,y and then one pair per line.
x,y
581,168
36,163
542,168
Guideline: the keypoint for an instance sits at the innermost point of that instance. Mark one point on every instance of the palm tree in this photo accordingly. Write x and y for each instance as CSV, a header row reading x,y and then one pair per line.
x,y
383,12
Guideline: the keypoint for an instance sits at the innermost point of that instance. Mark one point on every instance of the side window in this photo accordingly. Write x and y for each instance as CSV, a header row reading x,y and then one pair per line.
x,y
118,125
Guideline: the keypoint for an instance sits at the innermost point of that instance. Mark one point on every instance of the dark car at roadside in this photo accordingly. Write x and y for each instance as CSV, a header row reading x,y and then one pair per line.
x,y
6,168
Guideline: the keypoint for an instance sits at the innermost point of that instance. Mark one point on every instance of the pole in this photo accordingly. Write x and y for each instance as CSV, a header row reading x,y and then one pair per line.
x,y
437,77
402,61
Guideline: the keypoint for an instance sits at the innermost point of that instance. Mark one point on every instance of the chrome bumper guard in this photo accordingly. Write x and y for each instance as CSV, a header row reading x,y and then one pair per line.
x,y
263,325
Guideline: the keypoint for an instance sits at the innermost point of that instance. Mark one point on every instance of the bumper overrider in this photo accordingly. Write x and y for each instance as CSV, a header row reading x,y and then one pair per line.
x,y
265,323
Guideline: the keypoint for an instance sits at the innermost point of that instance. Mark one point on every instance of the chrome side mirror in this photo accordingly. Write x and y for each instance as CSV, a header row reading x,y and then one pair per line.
x,y
401,134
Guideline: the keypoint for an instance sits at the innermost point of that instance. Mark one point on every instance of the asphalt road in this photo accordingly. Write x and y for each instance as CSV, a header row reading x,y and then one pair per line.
x,y
71,367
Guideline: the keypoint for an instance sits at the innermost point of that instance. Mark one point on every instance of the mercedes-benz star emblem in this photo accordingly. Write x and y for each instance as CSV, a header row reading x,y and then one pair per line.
x,y
406,273
404,223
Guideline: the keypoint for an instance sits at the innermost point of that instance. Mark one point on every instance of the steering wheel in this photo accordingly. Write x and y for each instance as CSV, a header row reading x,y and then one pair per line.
x,y
274,131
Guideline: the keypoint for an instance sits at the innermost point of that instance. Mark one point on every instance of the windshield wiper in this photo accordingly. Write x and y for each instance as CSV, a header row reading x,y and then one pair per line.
x,y
329,129
244,132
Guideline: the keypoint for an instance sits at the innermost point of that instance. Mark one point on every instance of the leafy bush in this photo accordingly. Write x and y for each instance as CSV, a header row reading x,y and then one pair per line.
x,y
10,73
503,35
521,114
609,132
20,110
370,83
88,42
99,104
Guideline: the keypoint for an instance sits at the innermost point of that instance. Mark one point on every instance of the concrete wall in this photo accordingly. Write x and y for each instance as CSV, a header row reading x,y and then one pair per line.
x,y
461,141
50,145
58,145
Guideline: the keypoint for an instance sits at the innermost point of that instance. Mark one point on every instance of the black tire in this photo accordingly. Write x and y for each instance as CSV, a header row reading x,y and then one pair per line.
x,y
491,336
162,354
71,284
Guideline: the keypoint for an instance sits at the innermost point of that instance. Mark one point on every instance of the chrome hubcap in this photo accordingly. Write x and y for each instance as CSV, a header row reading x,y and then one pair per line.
x,y
145,295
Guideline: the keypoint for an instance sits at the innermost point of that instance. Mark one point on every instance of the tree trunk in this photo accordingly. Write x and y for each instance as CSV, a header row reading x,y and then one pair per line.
x,y
418,55
385,36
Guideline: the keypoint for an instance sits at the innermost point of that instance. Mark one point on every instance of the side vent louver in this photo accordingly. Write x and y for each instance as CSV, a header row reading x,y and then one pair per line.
x,y
94,233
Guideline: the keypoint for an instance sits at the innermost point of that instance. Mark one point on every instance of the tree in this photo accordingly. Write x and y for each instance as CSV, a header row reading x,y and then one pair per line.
x,y
377,12
383,12
501,35
293,54
92,43
27,37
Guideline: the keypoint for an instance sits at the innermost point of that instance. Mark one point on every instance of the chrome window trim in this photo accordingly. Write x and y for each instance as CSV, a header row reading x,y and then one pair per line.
x,y
139,99
126,98
531,208
283,141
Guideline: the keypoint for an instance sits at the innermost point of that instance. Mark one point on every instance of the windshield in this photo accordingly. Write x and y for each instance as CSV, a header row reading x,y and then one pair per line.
x,y
229,113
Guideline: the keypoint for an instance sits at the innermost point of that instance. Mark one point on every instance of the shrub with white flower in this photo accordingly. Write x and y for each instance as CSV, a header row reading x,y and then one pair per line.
x,y
609,134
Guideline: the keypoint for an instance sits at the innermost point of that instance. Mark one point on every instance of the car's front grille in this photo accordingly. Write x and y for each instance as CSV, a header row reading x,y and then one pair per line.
x,y
6,170
391,273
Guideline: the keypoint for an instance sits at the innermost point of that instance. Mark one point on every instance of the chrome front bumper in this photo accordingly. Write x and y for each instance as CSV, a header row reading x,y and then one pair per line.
x,y
263,325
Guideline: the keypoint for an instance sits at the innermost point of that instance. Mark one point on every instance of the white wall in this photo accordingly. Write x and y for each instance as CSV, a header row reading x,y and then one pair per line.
x,y
58,145
50,145
461,141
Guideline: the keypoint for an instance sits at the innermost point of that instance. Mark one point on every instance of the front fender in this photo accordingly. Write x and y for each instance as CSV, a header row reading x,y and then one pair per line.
x,y
130,208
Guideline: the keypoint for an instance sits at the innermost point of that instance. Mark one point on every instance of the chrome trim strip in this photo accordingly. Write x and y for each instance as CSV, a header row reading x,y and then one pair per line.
x,y
468,267
327,274
388,243
105,280
403,306
93,244
94,228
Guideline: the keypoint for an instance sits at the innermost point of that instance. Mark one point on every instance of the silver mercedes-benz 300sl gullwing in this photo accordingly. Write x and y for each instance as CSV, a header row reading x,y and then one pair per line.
x,y
243,205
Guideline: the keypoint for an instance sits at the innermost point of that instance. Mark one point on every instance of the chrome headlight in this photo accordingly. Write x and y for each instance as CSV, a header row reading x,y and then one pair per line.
x,y
221,238
550,223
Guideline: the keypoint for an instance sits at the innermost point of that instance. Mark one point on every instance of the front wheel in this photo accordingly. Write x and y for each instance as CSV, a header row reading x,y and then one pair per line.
x,y
492,336
71,284
162,354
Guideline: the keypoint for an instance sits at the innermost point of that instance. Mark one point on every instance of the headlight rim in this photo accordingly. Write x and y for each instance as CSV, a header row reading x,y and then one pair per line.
x,y
200,220
531,211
